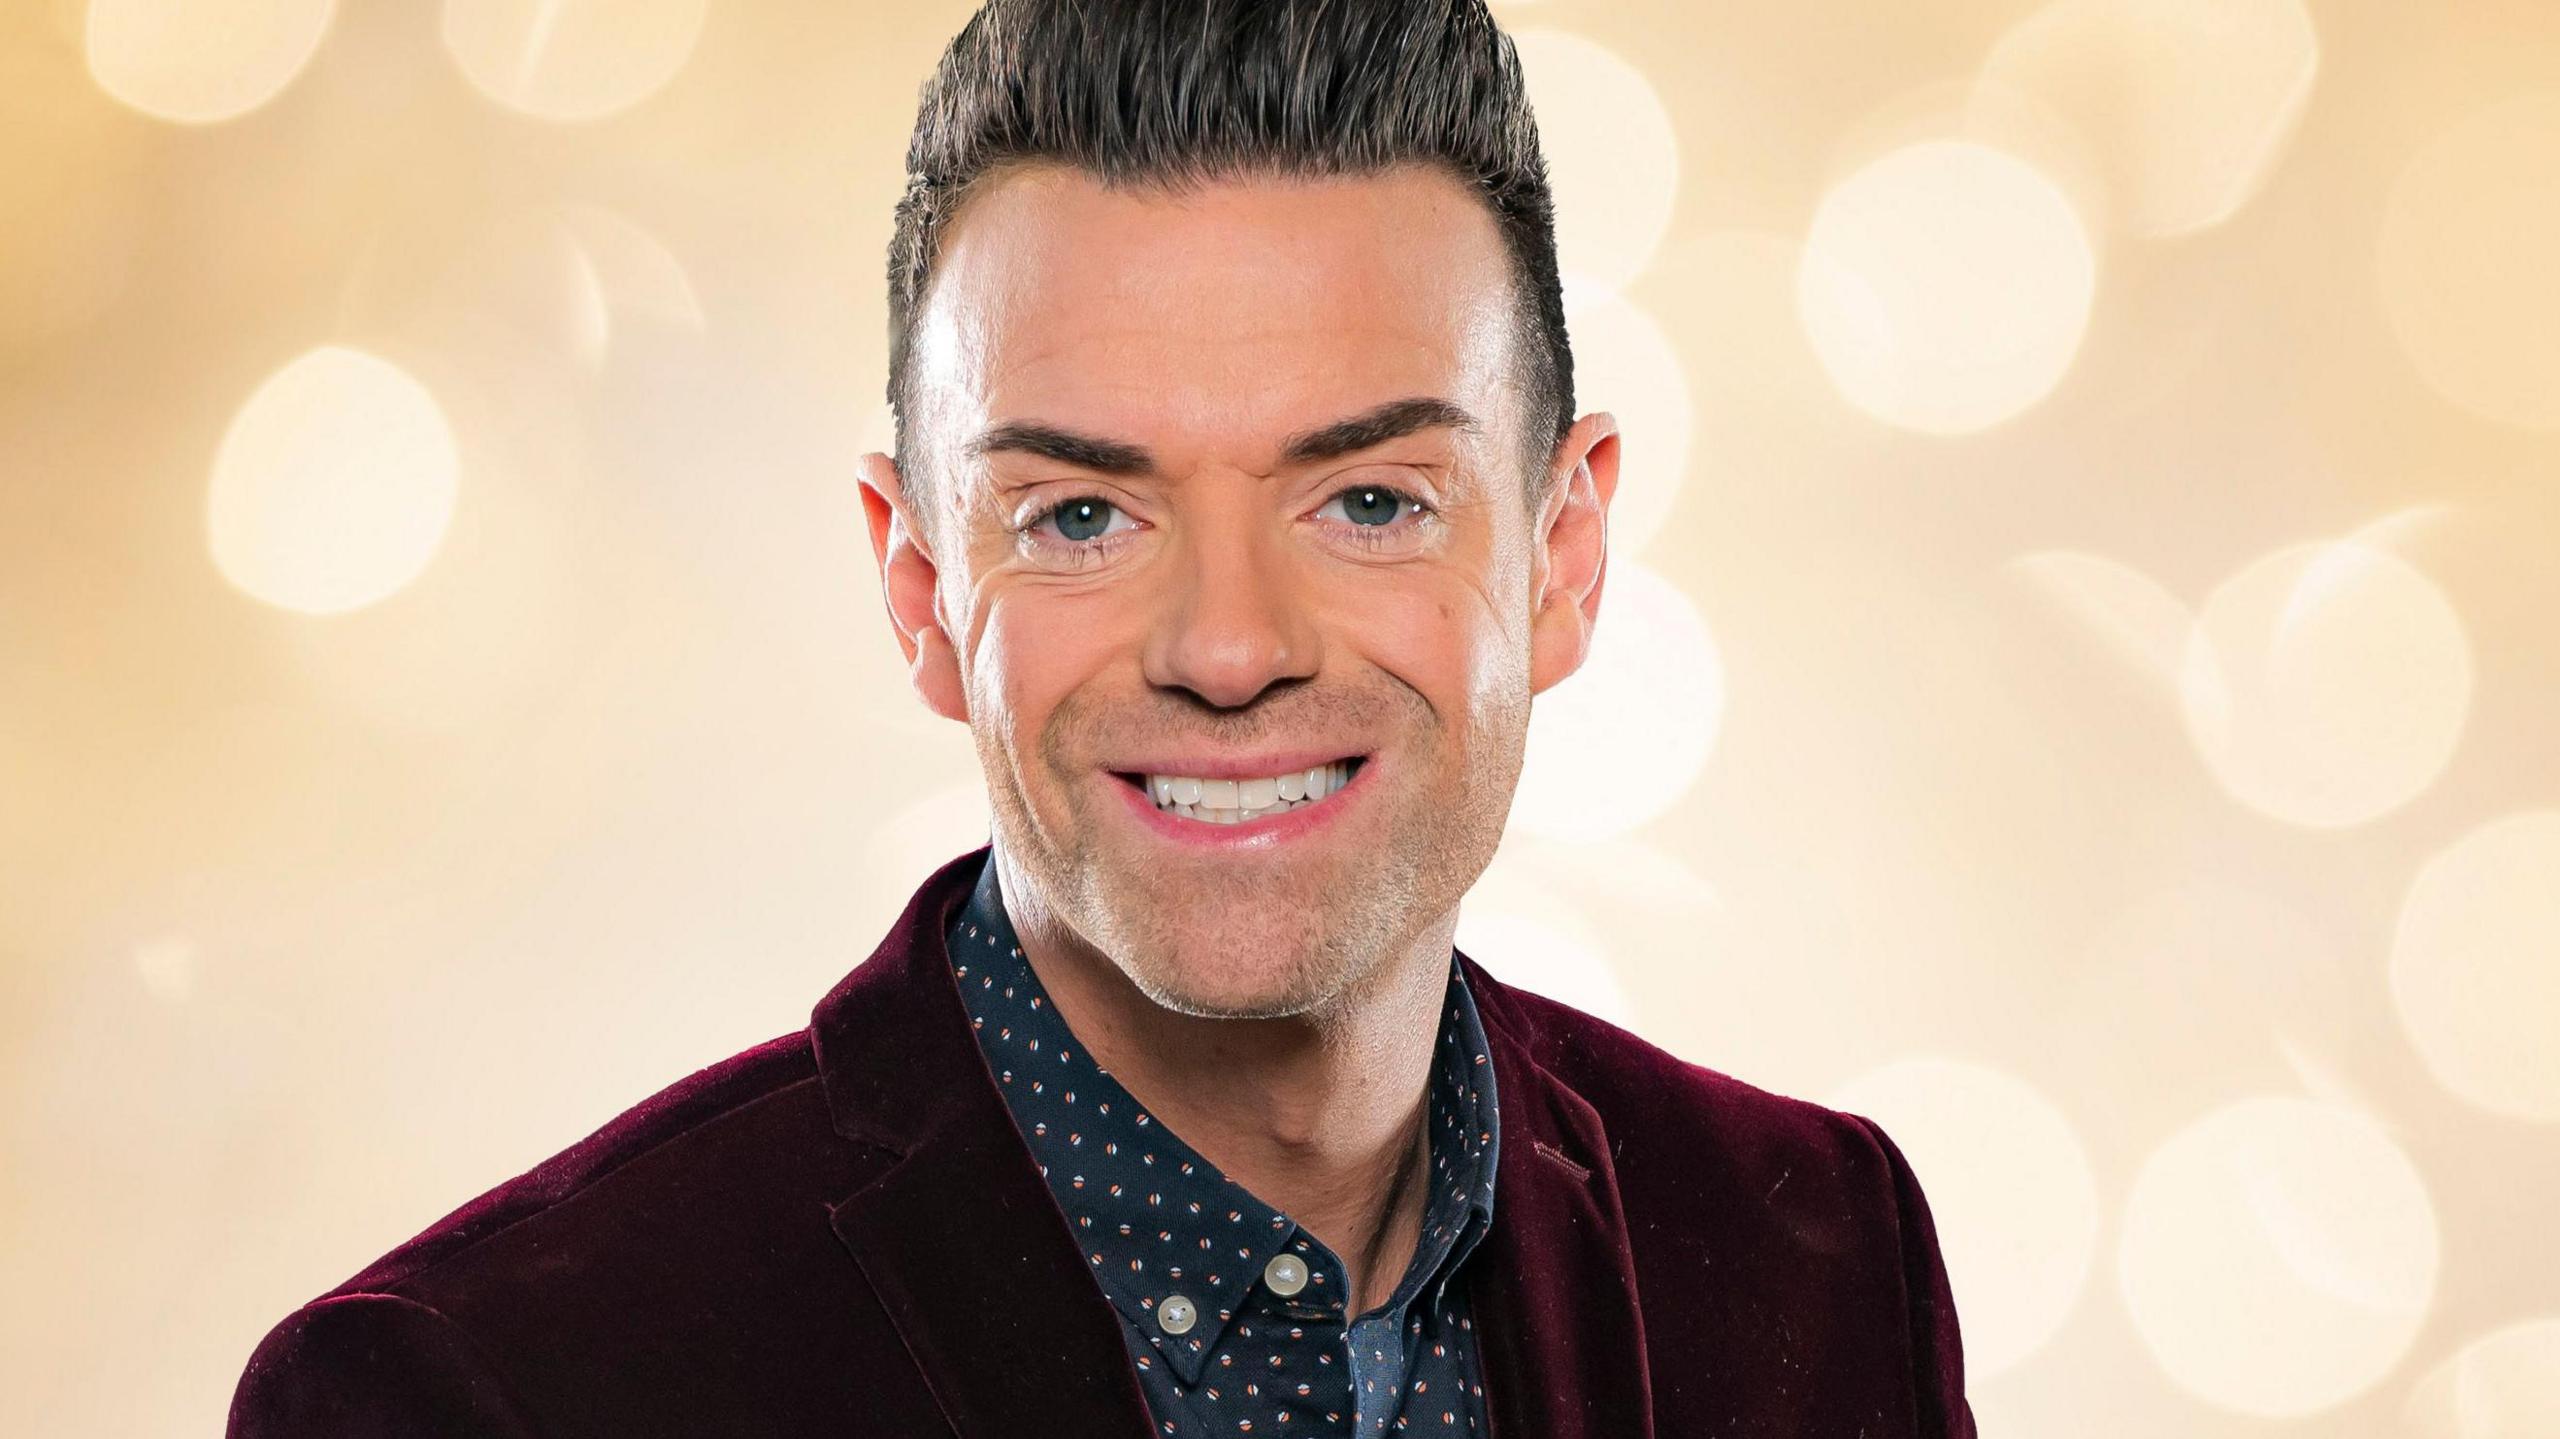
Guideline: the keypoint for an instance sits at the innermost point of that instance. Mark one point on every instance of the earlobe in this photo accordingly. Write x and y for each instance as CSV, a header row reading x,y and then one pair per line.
x,y
935,673
909,579
1574,551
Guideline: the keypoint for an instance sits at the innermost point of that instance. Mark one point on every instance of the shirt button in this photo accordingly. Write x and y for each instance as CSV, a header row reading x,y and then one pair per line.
x,y
1176,1315
1286,1274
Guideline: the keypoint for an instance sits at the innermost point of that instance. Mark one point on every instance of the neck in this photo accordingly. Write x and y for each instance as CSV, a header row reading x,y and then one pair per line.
x,y
1320,1115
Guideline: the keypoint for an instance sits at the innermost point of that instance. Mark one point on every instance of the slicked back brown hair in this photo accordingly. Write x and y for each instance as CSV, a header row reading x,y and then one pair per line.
x,y
1174,94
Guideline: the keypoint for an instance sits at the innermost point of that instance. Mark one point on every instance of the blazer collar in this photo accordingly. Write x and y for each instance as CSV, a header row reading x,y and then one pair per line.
x,y
959,1236
1553,1285
976,1265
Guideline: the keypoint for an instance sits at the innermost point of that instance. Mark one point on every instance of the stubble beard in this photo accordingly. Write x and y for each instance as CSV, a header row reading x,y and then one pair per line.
x,y
1245,949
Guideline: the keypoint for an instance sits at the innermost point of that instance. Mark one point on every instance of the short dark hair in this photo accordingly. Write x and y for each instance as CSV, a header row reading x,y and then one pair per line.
x,y
1172,94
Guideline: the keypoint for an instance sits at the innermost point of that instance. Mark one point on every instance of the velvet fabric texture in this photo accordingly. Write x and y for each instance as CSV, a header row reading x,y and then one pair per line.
x,y
840,1232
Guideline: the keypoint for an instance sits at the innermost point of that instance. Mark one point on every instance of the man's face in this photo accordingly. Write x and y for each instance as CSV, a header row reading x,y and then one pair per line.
x,y
1159,559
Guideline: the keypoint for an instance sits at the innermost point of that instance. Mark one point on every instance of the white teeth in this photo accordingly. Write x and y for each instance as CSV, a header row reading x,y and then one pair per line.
x,y
1229,801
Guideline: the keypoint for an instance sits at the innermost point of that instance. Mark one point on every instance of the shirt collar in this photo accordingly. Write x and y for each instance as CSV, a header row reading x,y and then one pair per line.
x,y
1172,1222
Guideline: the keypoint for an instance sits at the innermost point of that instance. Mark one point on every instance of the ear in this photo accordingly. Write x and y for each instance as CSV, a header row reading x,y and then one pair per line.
x,y
1570,549
908,580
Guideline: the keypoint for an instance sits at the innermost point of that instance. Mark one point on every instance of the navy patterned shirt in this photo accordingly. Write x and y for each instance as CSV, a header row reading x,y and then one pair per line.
x,y
1233,1313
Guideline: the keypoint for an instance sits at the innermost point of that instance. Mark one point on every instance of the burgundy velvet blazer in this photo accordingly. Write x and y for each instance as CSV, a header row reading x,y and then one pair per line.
x,y
841,1233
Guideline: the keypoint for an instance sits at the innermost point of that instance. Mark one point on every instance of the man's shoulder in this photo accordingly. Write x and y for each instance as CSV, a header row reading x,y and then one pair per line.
x,y
718,1118
681,1227
1809,1219
1678,1127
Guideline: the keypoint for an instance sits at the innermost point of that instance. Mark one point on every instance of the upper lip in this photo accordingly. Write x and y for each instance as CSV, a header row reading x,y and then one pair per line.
x,y
1251,766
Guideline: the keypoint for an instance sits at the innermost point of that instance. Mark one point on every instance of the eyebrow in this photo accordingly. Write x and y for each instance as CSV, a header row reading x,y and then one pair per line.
x,y
1392,420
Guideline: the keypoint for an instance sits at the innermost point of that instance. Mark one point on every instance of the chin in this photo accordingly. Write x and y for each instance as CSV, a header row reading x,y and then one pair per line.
x,y
1265,983
1239,997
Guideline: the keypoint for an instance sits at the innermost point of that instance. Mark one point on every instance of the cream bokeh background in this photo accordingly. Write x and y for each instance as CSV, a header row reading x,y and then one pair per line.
x,y
2078,680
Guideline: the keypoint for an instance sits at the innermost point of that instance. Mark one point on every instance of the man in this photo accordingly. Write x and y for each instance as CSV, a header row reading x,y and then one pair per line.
x,y
1239,512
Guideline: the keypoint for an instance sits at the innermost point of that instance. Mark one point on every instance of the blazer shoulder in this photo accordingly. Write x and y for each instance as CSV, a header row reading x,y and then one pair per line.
x,y
686,1113
1659,1106
370,1366
1792,1203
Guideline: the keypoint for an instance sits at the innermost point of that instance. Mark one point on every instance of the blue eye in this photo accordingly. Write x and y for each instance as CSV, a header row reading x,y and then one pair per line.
x,y
1377,512
1082,519
1371,505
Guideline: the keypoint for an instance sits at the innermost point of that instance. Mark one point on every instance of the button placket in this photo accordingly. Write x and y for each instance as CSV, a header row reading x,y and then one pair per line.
x,y
1251,1340
1377,1373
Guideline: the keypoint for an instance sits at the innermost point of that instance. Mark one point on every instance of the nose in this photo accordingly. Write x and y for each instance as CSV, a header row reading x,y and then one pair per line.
x,y
1235,621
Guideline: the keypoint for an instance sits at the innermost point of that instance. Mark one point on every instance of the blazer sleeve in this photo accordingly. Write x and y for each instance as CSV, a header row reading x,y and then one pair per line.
x,y
1937,1346
371,1366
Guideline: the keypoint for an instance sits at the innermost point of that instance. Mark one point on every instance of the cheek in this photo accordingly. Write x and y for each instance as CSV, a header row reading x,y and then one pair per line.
x,y
1030,658
1442,643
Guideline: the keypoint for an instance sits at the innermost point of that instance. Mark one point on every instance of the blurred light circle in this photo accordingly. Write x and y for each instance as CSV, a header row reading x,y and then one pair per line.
x,y
2131,615
530,280
571,60
1767,414
2326,683
2504,1385
168,968
923,835
2222,975
1624,364
1946,286
2475,966
2278,1255
521,286
491,631
1526,936
204,61
2009,1187
634,271
1620,740
2187,102
568,279
2464,262
1613,158
334,485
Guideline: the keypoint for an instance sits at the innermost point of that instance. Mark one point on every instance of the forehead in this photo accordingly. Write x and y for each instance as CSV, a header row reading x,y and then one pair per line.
x,y
1210,324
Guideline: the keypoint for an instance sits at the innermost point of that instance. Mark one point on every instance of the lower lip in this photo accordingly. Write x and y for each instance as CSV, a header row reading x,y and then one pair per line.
x,y
1268,832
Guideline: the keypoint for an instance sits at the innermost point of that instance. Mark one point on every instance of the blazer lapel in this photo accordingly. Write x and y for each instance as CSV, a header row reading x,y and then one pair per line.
x,y
976,1265
959,1236
1553,1288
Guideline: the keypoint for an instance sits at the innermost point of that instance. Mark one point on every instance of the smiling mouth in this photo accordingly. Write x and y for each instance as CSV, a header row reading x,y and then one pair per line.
x,y
1242,801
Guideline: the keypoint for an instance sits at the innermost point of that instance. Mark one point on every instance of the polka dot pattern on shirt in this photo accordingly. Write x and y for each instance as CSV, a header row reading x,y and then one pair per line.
x,y
1156,1220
